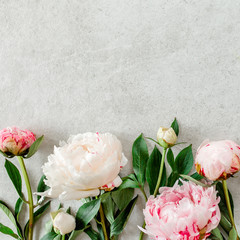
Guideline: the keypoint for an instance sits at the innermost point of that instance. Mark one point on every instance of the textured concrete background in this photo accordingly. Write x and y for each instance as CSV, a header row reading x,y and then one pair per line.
x,y
125,67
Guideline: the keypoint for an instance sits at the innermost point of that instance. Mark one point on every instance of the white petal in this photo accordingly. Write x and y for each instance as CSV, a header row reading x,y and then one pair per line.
x,y
77,195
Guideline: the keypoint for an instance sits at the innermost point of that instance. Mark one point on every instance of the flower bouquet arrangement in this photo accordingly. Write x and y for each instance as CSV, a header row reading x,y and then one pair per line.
x,y
180,204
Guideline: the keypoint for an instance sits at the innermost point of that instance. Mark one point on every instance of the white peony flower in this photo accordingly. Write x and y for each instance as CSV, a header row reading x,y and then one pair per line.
x,y
86,163
63,222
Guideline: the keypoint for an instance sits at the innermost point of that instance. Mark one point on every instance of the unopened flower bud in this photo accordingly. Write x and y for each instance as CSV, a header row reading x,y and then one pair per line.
x,y
166,137
63,222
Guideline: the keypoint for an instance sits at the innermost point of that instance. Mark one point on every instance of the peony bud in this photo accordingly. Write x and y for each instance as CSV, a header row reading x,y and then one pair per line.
x,y
14,141
63,222
218,160
166,137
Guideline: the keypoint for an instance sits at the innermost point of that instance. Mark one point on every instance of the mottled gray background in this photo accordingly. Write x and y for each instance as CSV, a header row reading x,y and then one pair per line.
x,y
125,67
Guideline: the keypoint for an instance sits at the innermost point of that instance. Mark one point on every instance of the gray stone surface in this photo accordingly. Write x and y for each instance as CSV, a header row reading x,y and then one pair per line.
x,y
125,67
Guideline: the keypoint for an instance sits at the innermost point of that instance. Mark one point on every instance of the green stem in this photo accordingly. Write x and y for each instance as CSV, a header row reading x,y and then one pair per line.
x,y
160,172
30,197
144,194
157,186
63,237
103,222
225,189
142,233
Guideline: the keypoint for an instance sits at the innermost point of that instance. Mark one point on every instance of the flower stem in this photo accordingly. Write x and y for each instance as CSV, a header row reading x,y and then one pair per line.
x,y
225,189
157,186
63,237
103,222
30,197
160,172
142,233
143,192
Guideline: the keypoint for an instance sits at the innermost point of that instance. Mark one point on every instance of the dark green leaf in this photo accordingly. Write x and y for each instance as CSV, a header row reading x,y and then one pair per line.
x,y
140,158
36,216
153,168
172,179
92,234
184,160
100,231
175,126
108,208
170,159
34,147
8,231
49,236
216,232
197,176
7,211
86,213
120,222
128,183
15,176
233,234
18,207
41,186
122,197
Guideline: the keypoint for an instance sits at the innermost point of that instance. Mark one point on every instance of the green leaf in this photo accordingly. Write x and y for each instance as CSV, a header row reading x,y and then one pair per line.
x,y
18,208
75,233
120,222
36,216
189,178
223,204
184,160
233,234
34,147
108,208
172,179
128,183
86,213
49,226
140,158
170,159
153,168
7,211
92,234
41,186
225,223
49,236
175,126
197,176
9,155
15,176
122,197
216,232
58,237
8,231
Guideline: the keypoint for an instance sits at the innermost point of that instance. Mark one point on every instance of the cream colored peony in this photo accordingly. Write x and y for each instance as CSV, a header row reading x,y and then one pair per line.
x,y
85,164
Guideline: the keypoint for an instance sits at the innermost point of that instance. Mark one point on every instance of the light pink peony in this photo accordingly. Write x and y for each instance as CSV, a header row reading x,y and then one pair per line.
x,y
15,141
218,160
187,212
85,164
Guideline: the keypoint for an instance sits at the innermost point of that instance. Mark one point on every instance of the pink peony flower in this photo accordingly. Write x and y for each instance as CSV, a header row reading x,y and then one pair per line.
x,y
187,212
15,141
218,160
